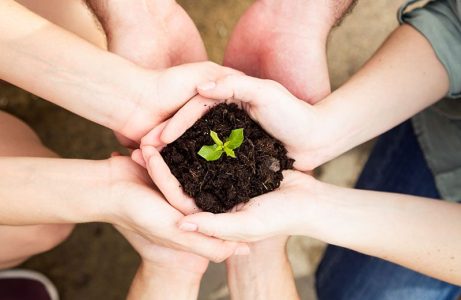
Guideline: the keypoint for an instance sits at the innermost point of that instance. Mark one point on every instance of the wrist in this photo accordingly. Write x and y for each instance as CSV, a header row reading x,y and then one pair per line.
x,y
174,275
261,275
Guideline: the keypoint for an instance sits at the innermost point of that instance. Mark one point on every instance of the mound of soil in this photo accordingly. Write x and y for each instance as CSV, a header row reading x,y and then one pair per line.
x,y
217,186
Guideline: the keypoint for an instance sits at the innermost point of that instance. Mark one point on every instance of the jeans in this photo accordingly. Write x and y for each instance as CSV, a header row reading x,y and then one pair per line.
x,y
397,165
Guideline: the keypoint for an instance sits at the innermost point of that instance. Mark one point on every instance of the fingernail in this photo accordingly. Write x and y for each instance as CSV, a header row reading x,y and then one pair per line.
x,y
207,86
242,250
188,226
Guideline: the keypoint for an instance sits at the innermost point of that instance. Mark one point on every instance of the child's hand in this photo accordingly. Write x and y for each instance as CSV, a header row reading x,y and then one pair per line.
x,y
292,121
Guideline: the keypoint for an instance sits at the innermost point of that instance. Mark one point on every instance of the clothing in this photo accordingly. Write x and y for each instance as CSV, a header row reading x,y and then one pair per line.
x,y
396,164
439,127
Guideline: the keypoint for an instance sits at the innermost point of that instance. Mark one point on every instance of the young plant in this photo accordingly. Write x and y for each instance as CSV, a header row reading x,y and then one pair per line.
x,y
214,152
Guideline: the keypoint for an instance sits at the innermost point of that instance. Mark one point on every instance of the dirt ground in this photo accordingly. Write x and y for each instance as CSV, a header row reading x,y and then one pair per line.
x,y
96,263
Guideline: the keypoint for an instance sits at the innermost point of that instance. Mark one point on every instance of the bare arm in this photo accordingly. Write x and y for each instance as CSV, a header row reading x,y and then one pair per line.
x,y
48,190
401,79
421,234
59,66
418,233
152,283
263,274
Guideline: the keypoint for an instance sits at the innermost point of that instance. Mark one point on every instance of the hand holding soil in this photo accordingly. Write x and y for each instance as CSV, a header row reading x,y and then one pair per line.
x,y
299,126
219,185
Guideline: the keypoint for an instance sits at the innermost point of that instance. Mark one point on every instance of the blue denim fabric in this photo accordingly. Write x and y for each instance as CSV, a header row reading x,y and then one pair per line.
x,y
396,164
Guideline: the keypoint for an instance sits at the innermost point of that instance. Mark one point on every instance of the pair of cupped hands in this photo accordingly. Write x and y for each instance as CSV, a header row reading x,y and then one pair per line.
x,y
178,90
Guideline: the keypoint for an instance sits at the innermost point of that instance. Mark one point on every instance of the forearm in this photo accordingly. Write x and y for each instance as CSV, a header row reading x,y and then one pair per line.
x,y
46,191
64,69
152,283
401,79
420,234
262,274
118,17
320,16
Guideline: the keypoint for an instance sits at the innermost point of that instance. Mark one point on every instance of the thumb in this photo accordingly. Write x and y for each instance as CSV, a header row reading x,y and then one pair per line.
x,y
166,182
241,87
237,226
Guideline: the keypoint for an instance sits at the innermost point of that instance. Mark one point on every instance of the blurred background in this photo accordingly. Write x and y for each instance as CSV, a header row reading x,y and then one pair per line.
x,y
96,262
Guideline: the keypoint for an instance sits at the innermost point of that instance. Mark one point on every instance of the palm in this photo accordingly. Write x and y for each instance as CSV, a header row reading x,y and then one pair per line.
x,y
280,51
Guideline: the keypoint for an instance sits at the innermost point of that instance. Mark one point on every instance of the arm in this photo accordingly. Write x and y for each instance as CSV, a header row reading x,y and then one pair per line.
x,y
105,88
154,283
152,26
263,274
292,50
401,79
56,191
418,233
52,63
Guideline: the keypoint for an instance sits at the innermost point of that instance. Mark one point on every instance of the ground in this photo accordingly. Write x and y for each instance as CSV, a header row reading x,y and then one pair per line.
x,y
96,259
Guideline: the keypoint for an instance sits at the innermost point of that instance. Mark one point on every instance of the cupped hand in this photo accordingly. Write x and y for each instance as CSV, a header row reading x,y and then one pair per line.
x,y
154,34
156,95
141,209
298,125
280,40
278,213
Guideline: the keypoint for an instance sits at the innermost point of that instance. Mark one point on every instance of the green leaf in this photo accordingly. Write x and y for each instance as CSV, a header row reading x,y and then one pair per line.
x,y
235,139
210,153
230,152
215,138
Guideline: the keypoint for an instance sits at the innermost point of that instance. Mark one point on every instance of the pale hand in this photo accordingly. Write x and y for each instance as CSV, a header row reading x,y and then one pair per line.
x,y
141,209
273,214
297,124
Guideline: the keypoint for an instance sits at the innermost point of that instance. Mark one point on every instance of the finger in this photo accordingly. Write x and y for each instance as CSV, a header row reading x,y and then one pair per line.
x,y
153,137
137,157
228,226
242,88
167,182
186,117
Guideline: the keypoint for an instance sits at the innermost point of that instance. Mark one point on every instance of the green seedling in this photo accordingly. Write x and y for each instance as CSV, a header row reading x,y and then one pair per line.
x,y
214,152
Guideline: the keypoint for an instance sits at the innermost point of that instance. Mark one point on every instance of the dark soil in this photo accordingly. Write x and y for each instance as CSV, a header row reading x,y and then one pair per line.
x,y
217,186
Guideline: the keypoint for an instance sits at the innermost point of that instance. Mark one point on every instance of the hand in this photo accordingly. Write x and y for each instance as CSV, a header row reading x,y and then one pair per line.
x,y
141,209
285,42
145,33
156,95
276,213
298,125
273,214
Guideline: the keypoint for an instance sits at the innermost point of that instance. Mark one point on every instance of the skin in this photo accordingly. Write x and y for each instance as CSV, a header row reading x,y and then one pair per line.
x,y
150,25
271,52
95,82
59,76
365,221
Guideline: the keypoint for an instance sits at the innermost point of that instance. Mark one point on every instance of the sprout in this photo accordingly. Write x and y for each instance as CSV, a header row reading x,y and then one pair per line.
x,y
214,152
